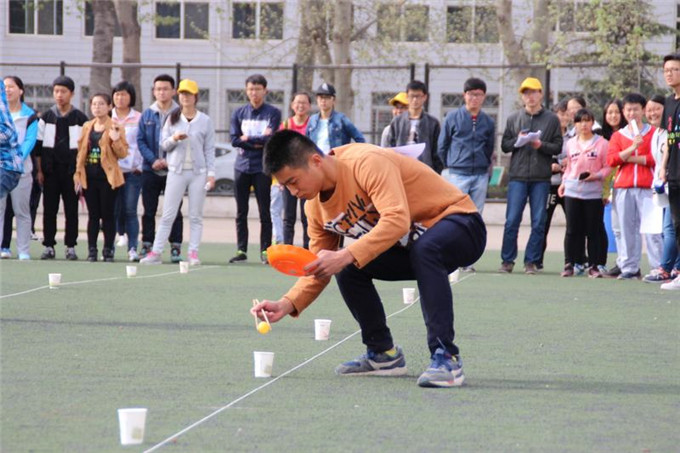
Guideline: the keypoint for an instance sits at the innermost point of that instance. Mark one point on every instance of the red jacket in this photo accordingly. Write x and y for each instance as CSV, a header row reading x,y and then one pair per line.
x,y
629,175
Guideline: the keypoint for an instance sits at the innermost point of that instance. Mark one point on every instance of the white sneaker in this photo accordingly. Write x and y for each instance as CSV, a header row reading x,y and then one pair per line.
x,y
133,256
672,286
122,241
151,258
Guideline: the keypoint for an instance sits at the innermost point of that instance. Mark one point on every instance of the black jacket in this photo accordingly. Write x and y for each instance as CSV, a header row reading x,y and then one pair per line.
x,y
428,133
527,163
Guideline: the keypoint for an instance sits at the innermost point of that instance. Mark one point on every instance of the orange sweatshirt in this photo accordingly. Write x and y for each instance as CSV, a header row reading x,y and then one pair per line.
x,y
381,198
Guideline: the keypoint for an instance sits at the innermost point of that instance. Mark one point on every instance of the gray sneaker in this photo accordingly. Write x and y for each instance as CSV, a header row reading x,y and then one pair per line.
x,y
444,371
71,254
48,254
375,364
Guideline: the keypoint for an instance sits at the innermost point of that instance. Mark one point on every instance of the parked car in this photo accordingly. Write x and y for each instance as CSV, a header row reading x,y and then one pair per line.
x,y
225,156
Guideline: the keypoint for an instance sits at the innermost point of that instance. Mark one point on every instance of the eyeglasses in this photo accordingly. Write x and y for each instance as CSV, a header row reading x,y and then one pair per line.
x,y
671,70
475,95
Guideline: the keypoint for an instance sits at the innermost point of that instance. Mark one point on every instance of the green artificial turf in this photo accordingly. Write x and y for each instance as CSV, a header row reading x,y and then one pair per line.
x,y
552,364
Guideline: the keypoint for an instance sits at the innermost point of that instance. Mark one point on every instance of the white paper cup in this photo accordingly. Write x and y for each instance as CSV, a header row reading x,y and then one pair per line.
x,y
454,276
264,362
55,280
183,267
132,422
131,271
322,329
409,295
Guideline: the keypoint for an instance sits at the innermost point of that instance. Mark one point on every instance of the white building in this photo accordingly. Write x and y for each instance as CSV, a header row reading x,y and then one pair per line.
x,y
262,34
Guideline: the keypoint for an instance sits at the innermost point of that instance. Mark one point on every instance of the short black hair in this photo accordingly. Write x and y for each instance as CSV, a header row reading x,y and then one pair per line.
x,y
64,81
561,106
581,101
301,93
124,85
287,148
584,115
659,99
671,57
416,85
257,79
473,83
635,98
104,96
164,78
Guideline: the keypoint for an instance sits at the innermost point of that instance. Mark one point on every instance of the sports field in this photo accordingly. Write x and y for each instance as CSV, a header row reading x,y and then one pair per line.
x,y
552,364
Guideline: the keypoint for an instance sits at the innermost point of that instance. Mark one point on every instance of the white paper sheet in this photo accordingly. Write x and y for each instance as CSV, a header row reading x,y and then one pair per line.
x,y
413,151
524,139
651,217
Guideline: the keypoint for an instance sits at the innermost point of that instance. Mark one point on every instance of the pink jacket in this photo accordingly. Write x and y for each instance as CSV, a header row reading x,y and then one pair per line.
x,y
590,157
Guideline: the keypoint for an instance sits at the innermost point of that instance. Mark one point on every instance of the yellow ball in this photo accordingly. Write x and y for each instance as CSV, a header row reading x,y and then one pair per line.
x,y
263,327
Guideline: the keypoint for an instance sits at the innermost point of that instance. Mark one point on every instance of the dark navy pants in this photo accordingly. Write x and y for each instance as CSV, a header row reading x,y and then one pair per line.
x,y
455,241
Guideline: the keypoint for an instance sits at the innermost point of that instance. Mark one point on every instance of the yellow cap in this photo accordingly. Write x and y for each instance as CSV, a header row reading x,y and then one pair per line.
x,y
400,98
530,83
188,86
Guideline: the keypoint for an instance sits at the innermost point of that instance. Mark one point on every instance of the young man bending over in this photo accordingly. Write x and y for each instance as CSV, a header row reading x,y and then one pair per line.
x,y
408,224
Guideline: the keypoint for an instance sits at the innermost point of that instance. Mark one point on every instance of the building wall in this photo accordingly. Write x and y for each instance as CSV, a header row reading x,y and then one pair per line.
x,y
221,49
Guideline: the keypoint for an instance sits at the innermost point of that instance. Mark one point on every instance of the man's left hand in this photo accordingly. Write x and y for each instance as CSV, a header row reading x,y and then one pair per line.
x,y
329,263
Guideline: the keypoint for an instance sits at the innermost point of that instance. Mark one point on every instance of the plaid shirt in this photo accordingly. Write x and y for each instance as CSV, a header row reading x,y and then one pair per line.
x,y
10,152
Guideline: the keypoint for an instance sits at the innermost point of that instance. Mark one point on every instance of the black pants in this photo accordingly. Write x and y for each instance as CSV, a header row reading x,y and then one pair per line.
x,y
674,202
553,201
290,204
36,192
7,226
58,185
152,186
585,221
101,200
262,184
455,241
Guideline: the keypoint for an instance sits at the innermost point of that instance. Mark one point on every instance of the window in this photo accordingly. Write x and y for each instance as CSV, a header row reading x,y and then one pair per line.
x,y
257,20
575,17
42,17
187,20
39,97
204,101
381,114
452,101
238,98
471,24
89,22
403,23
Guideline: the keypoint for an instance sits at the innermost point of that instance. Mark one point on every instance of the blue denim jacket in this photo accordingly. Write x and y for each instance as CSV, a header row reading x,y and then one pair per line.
x,y
341,131
149,133
464,146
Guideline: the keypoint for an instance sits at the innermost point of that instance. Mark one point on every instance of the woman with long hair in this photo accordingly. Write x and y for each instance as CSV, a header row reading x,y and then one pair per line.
x,y
26,125
102,142
188,138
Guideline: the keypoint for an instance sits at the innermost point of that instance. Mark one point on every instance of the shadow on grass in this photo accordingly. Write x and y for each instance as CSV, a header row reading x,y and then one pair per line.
x,y
574,386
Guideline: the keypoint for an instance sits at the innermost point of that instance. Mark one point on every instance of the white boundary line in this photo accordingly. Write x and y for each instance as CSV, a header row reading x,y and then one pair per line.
x,y
84,282
277,378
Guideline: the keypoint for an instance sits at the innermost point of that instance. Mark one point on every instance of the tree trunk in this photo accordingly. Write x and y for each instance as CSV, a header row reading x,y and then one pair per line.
x,y
342,32
131,30
305,47
102,45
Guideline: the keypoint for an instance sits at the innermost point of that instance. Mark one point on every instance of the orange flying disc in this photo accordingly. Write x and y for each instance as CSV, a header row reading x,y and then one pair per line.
x,y
289,259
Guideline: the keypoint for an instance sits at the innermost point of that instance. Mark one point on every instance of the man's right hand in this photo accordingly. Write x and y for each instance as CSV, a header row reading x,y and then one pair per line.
x,y
159,164
275,310
41,178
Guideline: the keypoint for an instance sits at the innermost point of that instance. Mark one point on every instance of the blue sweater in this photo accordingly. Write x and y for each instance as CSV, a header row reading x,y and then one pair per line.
x,y
252,122
463,147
